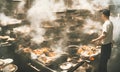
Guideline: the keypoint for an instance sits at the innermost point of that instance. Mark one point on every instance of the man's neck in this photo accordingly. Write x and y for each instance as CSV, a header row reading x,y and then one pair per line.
x,y
106,19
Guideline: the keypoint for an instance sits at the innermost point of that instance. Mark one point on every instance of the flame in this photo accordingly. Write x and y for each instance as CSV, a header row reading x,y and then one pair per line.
x,y
92,58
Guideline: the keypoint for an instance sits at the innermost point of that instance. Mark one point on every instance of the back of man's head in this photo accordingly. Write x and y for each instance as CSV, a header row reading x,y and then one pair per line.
x,y
106,12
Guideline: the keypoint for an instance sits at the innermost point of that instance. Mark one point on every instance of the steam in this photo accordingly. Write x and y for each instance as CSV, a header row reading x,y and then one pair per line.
x,y
92,26
42,10
116,2
92,5
6,20
39,12
21,6
25,30
82,5
58,6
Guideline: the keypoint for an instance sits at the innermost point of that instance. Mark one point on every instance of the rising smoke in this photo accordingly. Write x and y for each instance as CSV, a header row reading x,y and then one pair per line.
x,y
7,20
21,7
39,12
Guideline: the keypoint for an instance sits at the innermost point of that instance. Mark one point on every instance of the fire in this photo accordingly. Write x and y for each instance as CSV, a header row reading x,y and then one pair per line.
x,y
92,58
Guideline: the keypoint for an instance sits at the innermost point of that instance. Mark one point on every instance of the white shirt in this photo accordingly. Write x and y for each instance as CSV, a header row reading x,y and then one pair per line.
x,y
108,29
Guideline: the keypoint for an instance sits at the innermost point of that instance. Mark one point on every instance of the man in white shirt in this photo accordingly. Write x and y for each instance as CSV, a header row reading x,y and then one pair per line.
x,y
106,39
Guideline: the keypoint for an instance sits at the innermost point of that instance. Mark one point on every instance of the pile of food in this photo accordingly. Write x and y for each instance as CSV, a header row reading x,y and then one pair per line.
x,y
88,51
44,55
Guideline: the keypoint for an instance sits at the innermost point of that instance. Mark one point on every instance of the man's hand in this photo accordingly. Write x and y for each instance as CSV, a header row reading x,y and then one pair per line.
x,y
94,40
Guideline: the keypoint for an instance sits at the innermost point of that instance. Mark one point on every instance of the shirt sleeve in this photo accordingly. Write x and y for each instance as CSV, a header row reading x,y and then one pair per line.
x,y
105,28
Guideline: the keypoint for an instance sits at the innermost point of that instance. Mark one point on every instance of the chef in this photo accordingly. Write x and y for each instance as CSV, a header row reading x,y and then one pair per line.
x,y
106,39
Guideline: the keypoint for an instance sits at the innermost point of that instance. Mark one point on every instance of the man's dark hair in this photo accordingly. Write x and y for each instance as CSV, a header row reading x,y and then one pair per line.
x,y
106,12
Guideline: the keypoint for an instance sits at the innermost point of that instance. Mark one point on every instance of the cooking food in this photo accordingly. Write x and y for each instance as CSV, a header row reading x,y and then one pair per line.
x,y
50,54
66,65
10,68
44,55
44,59
38,51
88,51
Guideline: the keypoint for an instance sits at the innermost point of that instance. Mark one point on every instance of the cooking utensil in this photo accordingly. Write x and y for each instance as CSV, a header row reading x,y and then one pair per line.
x,y
10,68
66,65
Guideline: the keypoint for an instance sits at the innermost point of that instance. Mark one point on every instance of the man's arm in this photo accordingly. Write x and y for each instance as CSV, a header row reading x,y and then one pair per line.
x,y
102,36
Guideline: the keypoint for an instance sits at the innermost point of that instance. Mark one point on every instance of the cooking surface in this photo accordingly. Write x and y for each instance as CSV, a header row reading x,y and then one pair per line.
x,y
54,35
